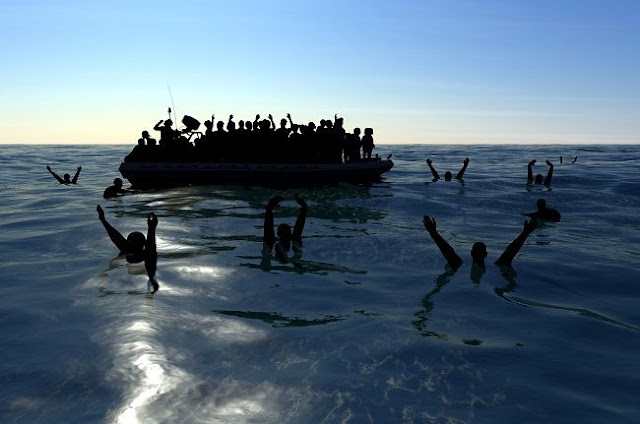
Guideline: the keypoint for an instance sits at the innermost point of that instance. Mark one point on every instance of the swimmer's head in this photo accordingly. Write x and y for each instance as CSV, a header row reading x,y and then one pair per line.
x,y
136,241
447,176
67,178
541,203
538,179
479,252
117,182
284,232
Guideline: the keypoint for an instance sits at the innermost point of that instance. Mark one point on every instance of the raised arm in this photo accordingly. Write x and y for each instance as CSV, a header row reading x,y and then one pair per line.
x,y
75,177
514,247
151,255
547,180
56,176
157,127
290,121
433,170
273,124
302,217
269,232
256,123
115,236
464,168
530,171
447,251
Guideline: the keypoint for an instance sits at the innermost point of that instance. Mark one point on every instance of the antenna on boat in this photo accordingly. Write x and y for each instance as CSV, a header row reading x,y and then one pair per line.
x,y
173,105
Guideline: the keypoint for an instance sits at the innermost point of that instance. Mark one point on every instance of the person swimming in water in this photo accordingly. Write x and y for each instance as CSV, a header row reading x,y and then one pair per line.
x,y
287,240
135,246
479,249
544,213
538,178
116,189
67,178
447,175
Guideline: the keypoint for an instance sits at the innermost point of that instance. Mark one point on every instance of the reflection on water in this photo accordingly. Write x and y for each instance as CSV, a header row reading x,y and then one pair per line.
x,y
278,320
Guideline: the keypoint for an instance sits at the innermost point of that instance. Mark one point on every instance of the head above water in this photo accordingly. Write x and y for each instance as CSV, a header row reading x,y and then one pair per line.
x,y
136,241
538,179
67,178
284,232
117,182
447,176
479,252
541,204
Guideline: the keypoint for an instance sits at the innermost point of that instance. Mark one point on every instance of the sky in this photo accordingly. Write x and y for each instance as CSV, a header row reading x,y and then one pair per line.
x,y
423,71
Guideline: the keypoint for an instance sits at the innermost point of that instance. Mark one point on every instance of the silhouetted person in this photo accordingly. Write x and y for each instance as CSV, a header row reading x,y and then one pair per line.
x,y
116,189
135,246
286,239
447,175
367,143
67,178
146,140
538,178
167,134
479,249
543,212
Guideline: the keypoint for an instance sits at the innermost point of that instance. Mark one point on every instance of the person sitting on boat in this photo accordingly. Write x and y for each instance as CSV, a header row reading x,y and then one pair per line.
x,y
447,175
538,178
135,246
116,189
544,213
479,249
286,240
146,140
66,180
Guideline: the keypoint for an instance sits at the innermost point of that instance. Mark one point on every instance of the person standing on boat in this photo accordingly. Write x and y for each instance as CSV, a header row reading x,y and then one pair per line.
x,y
167,134
67,178
448,175
367,143
135,246
286,241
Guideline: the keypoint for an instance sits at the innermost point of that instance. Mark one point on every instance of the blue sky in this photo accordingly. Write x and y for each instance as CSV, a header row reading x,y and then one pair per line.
x,y
429,71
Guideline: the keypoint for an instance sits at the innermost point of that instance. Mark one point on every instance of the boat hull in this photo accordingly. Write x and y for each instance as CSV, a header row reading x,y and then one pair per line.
x,y
155,174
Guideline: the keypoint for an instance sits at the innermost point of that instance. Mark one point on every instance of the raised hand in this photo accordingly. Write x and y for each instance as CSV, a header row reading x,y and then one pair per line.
x,y
152,220
300,200
533,162
429,223
466,161
529,226
548,163
100,213
428,161
274,202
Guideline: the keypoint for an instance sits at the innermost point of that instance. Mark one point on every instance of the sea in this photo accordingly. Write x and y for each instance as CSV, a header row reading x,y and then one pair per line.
x,y
369,326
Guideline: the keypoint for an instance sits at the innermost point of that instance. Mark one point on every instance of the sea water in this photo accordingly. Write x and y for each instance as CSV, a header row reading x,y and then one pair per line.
x,y
370,326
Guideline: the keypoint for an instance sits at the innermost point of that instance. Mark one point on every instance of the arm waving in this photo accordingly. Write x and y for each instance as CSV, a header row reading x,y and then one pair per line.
x,y
56,176
464,168
530,171
447,251
115,236
547,180
75,177
151,255
269,233
435,174
302,217
514,247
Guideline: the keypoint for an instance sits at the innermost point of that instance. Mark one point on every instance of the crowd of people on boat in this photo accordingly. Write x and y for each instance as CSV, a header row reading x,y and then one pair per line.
x,y
257,141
